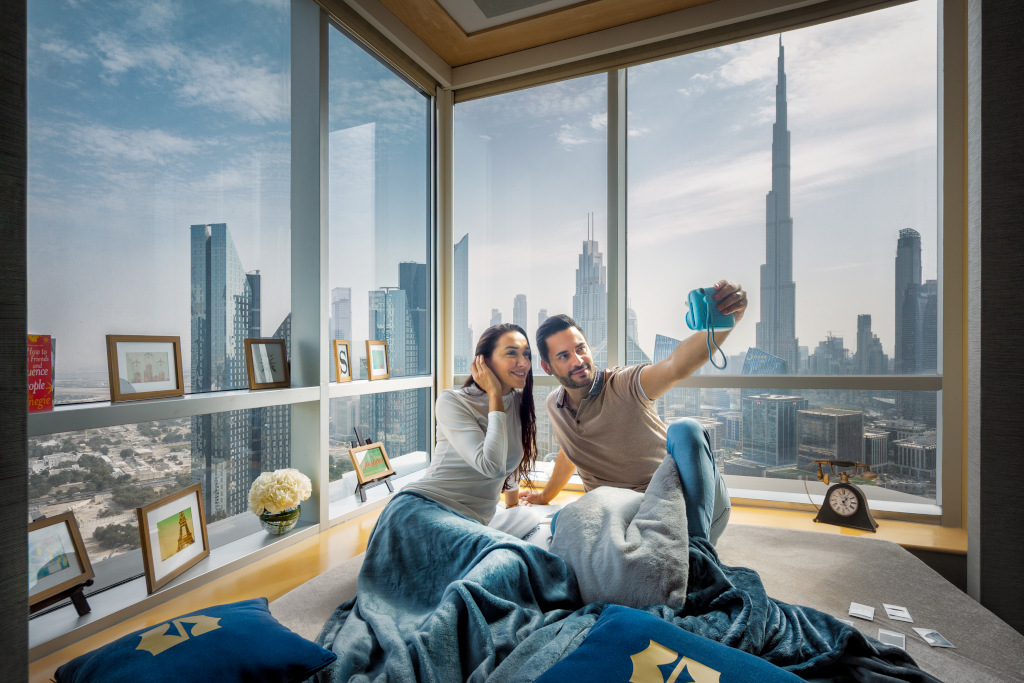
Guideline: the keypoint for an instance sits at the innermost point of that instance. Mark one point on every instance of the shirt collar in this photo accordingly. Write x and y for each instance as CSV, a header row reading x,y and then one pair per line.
x,y
595,389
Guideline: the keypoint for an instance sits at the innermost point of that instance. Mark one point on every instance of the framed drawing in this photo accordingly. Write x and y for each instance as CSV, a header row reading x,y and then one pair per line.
x,y
377,366
342,366
142,367
57,559
173,534
267,363
371,462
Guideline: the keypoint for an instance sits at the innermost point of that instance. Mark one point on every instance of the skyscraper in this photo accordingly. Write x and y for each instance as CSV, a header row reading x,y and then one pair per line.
x,y
776,331
495,317
463,337
519,311
677,401
916,322
412,279
341,313
229,449
589,303
869,359
830,434
770,434
395,417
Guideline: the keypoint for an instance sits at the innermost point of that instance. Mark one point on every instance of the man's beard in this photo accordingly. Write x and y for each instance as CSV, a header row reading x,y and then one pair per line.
x,y
570,382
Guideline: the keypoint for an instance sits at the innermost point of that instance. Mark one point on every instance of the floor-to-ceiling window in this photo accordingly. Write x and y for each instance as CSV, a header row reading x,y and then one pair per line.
x,y
380,271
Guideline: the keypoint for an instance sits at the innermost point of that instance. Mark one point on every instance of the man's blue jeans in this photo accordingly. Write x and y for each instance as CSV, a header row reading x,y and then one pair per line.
x,y
707,498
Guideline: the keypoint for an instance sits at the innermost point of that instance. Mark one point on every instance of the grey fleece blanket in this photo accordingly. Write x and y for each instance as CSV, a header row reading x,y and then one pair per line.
x,y
443,598
627,547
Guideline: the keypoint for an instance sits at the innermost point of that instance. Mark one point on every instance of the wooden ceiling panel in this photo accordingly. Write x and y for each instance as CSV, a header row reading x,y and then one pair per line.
x,y
433,25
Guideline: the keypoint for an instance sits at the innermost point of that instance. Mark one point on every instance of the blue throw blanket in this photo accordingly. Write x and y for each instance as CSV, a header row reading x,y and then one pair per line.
x,y
443,598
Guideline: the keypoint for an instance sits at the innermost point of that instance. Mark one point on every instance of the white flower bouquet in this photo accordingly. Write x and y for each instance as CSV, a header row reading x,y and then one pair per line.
x,y
279,490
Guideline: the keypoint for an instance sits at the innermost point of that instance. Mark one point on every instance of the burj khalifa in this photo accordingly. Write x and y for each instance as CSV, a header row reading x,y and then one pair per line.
x,y
776,332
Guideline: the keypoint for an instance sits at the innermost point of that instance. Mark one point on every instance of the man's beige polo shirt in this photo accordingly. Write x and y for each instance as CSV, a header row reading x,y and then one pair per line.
x,y
615,438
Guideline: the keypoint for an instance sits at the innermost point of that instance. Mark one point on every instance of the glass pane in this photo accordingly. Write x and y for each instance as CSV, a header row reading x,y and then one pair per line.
x,y
530,212
530,218
158,190
805,168
379,219
104,474
773,434
399,419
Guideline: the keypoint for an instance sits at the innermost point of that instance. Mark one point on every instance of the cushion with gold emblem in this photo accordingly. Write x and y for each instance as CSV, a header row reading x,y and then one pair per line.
x,y
240,641
627,644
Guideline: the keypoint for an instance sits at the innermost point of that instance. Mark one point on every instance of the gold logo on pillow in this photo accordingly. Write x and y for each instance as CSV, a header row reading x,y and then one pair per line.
x,y
646,663
157,640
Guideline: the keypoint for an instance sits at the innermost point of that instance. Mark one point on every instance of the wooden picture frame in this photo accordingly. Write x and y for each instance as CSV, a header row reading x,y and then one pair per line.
x,y
371,462
173,535
342,360
266,363
142,367
377,364
57,560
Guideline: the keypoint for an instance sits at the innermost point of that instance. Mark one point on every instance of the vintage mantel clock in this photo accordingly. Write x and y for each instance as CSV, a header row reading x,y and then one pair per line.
x,y
845,503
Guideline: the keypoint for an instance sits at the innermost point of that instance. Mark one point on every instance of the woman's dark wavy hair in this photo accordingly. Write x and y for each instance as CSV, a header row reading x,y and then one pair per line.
x,y
527,416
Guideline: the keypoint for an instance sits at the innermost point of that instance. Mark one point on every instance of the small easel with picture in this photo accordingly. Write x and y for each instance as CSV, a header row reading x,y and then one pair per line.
x,y
59,567
372,466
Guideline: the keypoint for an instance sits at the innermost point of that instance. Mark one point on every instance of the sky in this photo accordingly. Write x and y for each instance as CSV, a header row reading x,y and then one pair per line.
x,y
862,96
147,118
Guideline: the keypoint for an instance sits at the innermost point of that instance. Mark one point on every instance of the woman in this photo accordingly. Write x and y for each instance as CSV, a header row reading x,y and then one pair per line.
x,y
486,430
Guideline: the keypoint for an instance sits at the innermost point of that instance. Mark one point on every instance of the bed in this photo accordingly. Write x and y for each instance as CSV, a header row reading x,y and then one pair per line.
x,y
440,599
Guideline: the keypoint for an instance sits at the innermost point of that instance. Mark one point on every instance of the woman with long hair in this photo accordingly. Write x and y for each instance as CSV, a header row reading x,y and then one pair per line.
x,y
486,429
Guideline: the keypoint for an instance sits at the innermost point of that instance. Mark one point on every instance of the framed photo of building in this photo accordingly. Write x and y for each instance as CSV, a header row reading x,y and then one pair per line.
x,y
173,534
342,362
377,366
370,462
267,363
57,560
141,367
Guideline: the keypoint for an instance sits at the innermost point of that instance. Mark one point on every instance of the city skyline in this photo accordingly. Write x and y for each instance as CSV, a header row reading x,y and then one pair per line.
x,y
862,110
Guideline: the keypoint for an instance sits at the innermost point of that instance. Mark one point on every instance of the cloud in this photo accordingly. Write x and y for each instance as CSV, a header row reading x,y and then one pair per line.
x,y
569,136
140,145
599,121
218,80
63,50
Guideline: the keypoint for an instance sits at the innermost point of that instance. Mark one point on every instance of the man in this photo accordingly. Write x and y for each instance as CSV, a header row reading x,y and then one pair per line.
x,y
607,428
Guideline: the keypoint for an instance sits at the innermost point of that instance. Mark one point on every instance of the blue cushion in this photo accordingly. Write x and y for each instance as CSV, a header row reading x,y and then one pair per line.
x,y
629,645
240,641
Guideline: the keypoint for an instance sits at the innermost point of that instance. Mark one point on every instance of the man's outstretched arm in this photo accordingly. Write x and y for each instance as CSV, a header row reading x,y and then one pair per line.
x,y
692,352
559,478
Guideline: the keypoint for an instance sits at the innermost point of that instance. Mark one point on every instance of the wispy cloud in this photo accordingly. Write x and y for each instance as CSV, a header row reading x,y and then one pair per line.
x,y
151,146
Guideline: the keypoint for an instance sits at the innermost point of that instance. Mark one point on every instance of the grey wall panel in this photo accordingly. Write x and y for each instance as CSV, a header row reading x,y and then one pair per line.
x,y
13,327
996,195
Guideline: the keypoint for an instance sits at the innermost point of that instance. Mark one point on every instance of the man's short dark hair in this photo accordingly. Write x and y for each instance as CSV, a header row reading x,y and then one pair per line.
x,y
552,325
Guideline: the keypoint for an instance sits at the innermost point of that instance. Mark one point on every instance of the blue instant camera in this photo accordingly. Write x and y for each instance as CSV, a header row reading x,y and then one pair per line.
x,y
703,314
703,311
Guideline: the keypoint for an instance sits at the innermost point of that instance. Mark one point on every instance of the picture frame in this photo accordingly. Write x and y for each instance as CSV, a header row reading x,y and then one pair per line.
x,y
342,360
266,362
173,535
377,365
371,462
143,367
57,561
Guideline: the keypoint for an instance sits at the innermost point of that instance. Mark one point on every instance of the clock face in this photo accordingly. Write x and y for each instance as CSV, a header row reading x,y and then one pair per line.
x,y
843,501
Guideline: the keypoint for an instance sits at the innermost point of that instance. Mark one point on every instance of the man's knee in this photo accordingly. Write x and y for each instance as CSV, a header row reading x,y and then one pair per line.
x,y
688,430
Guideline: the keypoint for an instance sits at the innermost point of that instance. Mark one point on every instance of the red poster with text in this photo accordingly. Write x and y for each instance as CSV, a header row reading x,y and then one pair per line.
x,y
40,373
